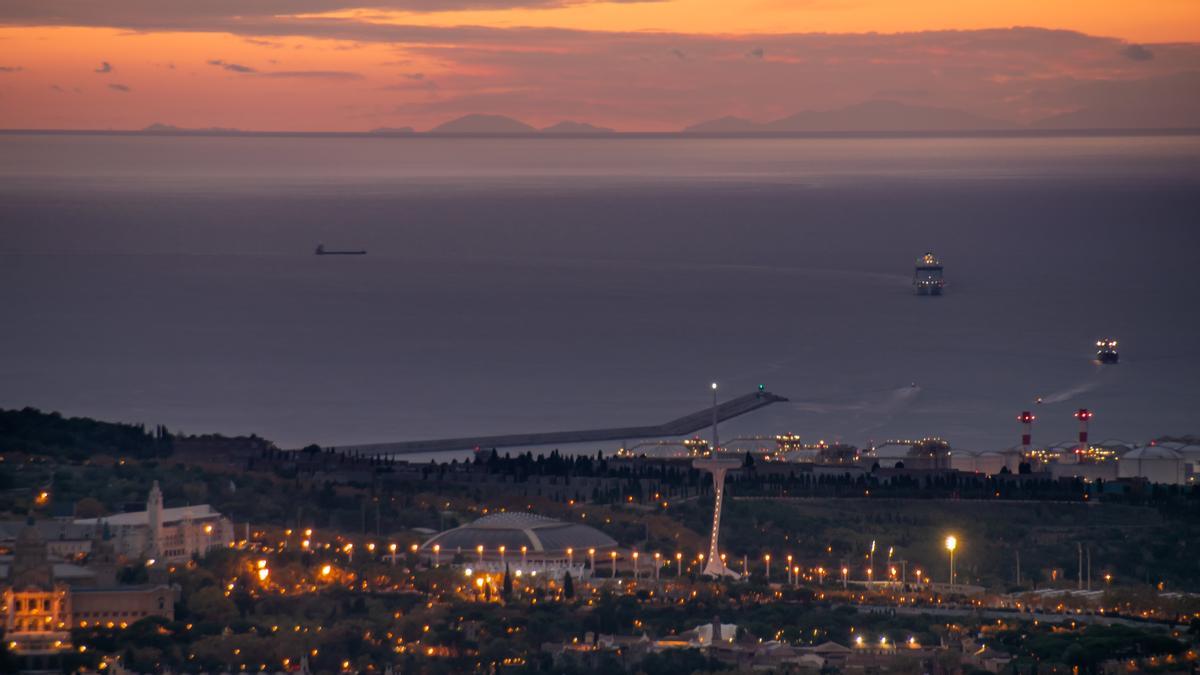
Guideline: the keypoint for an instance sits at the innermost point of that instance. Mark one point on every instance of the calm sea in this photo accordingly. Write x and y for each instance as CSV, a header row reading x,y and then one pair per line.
x,y
519,285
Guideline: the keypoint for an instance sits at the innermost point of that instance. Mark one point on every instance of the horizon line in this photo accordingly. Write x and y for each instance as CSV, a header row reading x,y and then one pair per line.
x,y
959,133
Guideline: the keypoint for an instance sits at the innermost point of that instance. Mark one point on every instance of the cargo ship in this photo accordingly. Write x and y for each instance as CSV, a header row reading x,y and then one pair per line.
x,y
1106,351
321,250
927,279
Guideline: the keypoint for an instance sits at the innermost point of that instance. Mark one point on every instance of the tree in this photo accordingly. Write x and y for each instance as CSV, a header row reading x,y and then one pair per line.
x,y
568,586
210,604
89,507
507,592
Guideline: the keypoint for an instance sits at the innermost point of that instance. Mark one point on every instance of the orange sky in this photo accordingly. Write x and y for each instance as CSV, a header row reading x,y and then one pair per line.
x,y
1147,21
686,60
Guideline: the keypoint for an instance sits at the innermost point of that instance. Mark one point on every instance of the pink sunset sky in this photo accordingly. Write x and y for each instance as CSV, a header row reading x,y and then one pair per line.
x,y
334,65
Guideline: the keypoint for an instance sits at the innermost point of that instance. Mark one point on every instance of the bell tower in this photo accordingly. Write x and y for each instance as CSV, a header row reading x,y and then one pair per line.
x,y
154,515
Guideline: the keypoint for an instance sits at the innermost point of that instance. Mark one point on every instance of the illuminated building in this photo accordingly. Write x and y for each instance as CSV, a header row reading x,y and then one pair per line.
x,y
44,599
167,534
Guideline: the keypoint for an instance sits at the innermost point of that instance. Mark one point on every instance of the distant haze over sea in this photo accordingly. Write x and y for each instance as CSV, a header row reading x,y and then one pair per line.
x,y
517,285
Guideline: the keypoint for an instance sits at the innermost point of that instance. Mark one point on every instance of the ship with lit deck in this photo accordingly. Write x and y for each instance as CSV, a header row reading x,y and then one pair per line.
x,y
927,278
1106,351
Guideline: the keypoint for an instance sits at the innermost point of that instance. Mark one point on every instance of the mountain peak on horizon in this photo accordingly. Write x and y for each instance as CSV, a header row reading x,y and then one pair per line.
x,y
572,127
479,123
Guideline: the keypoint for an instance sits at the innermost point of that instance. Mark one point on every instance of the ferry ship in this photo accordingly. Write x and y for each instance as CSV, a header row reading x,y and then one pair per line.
x,y
927,279
321,250
1106,351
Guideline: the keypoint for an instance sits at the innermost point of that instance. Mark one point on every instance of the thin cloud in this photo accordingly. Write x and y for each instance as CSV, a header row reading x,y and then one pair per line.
x,y
11,69
313,74
286,74
120,87
757,53
1137,53
190,13
232,67
105,67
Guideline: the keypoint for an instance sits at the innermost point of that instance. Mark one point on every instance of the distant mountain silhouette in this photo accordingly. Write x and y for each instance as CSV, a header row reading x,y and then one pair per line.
x,y
483,124
862,117
724,125
569,127
389,131
1171,102
160,128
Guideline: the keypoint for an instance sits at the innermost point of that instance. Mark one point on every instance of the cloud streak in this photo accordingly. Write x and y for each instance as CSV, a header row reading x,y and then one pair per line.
x,y
105,68
286,74
232,67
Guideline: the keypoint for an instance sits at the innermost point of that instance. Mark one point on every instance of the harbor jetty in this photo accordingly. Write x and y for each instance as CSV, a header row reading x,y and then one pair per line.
x,y
677,427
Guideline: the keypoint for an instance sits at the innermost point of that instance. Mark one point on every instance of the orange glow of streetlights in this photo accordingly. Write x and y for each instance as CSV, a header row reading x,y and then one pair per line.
x,y
951,544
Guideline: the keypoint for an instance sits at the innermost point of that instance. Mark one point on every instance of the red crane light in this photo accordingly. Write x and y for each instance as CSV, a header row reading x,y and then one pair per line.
x,y
1026,417
1083,414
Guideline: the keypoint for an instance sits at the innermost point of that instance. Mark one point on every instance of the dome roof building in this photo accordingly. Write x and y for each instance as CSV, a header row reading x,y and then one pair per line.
x,y
547,542
544,536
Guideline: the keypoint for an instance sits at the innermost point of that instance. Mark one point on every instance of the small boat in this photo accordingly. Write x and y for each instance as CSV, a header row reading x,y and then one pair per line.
x,y
321,250
927,278
1106,351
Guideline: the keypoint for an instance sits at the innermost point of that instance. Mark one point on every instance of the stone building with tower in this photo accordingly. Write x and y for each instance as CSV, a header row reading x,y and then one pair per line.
x,y
42,597
174,534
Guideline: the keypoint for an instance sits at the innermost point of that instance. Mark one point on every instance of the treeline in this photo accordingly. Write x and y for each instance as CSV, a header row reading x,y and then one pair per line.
x,y
32,431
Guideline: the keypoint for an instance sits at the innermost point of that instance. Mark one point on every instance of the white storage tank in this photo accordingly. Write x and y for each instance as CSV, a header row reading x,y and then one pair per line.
x,y
1155,463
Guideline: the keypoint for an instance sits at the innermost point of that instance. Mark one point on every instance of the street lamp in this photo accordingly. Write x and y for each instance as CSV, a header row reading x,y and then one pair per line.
x,y
592,557
657,564
678,565
871,569
524,550
479,550
570,558
951,544
767,558
635,565
502,562
845,577
613,555
437,558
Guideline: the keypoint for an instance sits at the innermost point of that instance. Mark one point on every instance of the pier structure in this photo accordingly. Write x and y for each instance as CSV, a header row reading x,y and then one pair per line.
x,y
681,426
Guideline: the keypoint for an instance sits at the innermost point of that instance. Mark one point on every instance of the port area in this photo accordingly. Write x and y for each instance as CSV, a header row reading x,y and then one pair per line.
x,y
677,427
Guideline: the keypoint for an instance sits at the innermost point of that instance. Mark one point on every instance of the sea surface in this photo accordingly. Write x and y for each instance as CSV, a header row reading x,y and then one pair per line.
x,y
517,285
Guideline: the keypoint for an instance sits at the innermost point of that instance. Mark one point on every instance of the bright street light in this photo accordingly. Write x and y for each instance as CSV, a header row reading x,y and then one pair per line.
x,y
951,544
